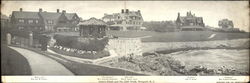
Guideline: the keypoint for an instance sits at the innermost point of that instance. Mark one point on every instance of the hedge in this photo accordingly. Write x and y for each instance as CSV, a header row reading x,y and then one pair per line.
x,y
91,44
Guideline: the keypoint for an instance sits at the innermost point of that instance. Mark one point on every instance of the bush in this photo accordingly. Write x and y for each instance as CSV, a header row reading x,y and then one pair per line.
x,y
88,44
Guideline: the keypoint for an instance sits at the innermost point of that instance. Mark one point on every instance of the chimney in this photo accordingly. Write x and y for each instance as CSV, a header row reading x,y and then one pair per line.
x,y
63,11
21,9
139,11
178,14
40,10
127,10
57,10
122,10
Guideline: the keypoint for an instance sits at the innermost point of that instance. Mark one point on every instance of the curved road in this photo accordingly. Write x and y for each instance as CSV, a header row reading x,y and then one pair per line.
x,y
42,65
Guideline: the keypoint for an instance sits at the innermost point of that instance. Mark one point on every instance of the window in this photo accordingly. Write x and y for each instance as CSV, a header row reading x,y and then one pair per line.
x,y
50,22
21,21
36,21
20,28
30,21
134,18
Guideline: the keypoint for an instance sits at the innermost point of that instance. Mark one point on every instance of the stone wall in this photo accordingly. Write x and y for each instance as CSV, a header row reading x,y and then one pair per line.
x,y
126,46
22,41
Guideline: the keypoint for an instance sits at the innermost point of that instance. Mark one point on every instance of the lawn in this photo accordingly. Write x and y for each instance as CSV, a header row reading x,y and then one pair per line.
x,y
130,34
13,63
182,36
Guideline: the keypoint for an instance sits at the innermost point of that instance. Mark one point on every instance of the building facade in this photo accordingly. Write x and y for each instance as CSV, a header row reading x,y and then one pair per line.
x,y
4,21
227,26
125,20
44,21
189,22
225,23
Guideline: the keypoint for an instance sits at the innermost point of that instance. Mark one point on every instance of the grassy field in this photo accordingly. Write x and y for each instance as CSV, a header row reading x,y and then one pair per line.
x,y
13,63
178,36
171,36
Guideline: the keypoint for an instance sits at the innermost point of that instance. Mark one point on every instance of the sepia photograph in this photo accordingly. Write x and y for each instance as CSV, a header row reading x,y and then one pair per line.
x,y
125,38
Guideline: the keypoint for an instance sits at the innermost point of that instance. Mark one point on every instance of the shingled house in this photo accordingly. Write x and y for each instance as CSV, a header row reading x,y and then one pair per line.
x,y
190,22
44,21
94,28
126,20
225,23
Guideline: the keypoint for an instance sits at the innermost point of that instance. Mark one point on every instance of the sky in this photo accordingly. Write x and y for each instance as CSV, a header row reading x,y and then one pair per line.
x,y
211,11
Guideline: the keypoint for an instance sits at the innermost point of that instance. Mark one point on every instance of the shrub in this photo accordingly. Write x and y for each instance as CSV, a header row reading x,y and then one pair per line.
x,y
89,44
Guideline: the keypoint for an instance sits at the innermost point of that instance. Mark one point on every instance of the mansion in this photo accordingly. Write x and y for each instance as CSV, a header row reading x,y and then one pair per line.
x,y
44,21
125,20
190,22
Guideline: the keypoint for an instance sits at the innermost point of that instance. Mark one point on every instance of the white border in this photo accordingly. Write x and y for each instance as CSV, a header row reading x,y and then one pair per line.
x,y
128,79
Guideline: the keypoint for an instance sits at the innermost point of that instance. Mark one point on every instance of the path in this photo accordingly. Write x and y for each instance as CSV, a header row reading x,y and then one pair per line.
x,y
211,36
42,65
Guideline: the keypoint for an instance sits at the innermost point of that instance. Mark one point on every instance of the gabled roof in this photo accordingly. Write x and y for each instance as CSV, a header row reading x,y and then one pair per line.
x,y
108,16
134,13
50,15
45,15
92,21
183,18
70,15
25,14
111,16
